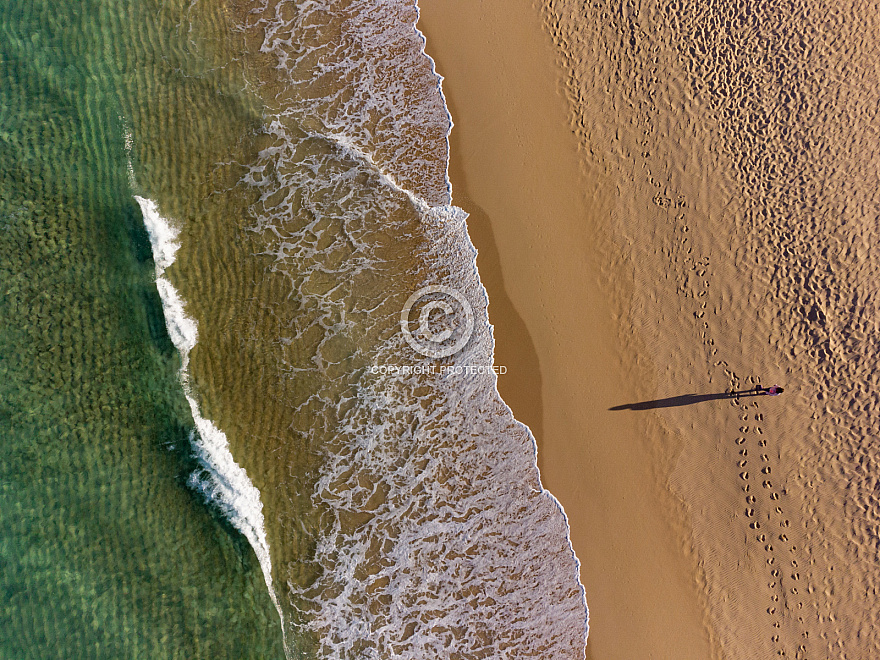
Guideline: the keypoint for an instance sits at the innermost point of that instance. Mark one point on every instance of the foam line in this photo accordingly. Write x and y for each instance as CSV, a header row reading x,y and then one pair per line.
x,y
546,492
224,481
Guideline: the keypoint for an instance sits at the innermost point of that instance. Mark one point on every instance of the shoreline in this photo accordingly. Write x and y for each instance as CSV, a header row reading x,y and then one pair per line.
x,y
535,218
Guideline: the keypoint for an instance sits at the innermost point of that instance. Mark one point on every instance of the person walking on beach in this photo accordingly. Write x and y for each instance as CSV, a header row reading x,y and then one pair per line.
x,y
770,391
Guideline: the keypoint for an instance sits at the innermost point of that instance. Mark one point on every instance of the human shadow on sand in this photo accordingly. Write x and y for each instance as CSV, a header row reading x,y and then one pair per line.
x,y
689,399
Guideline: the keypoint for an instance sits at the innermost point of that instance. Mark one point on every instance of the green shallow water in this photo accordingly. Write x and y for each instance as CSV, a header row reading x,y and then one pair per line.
x,y
104,552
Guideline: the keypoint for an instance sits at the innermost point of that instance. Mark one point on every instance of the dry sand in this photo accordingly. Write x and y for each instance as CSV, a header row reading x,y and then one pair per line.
x,y
701,217
743,141
539,220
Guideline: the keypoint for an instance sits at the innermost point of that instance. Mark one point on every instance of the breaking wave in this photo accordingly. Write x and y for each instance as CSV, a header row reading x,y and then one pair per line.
x,y
405,508
223,481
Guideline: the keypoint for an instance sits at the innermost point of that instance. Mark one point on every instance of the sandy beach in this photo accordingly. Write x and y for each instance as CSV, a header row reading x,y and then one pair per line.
x,y
539,218
247,397
657,199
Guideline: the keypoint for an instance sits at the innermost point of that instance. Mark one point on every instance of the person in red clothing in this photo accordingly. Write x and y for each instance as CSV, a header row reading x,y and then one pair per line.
x,y
773,391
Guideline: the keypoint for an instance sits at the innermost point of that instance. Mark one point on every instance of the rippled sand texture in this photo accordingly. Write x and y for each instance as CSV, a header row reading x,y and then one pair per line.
x,y
743,138
104,551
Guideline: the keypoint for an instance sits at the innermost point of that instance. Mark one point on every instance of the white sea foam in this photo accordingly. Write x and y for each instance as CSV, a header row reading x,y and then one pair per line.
x,y
443,477
224,481
467,241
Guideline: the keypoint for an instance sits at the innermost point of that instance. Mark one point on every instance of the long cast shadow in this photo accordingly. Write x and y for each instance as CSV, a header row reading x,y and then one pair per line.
x,y
688,399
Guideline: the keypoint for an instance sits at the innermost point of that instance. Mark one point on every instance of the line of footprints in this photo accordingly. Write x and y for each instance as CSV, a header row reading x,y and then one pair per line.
x,y
755,460
695,284
770,527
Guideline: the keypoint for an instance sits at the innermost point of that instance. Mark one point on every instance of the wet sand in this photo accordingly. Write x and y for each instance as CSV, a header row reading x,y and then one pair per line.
x,y
558,291
710,244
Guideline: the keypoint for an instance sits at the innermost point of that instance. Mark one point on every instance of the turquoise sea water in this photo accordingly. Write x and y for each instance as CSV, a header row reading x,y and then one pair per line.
x,y
292,156
104,551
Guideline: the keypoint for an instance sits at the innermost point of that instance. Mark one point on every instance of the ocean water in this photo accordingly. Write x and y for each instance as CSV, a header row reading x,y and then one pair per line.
x,y
104,551
213,216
